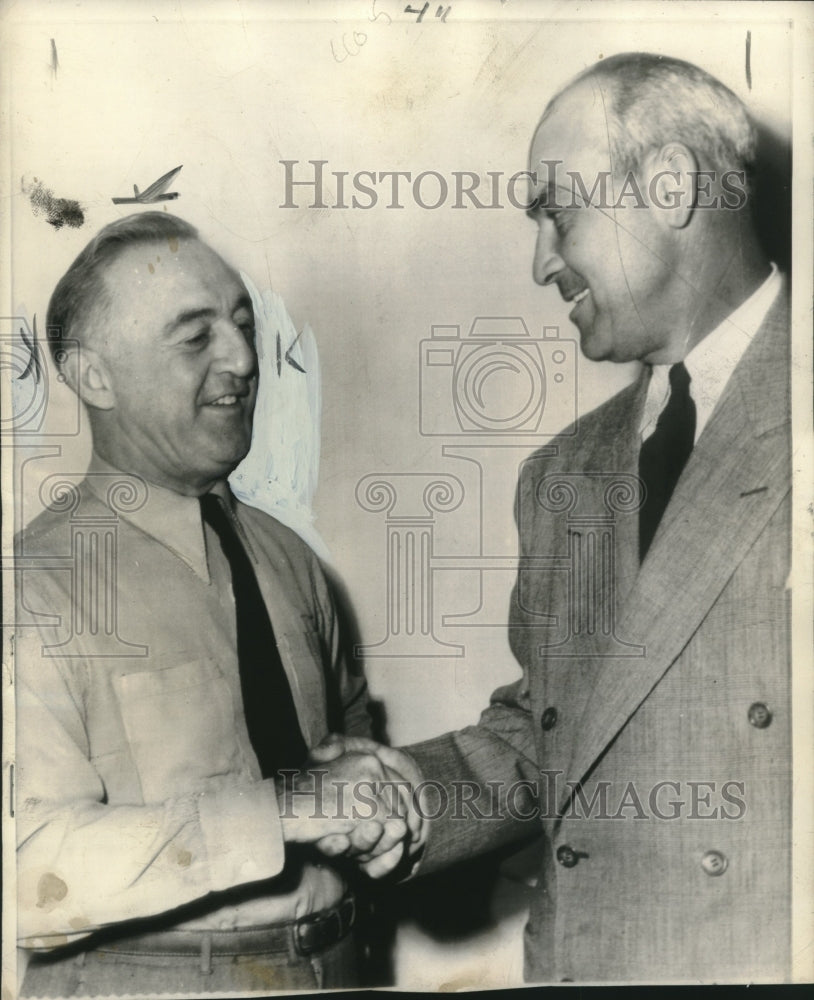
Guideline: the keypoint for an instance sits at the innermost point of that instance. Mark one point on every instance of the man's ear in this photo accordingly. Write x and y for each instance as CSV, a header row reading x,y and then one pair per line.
x,y
672,175
89,377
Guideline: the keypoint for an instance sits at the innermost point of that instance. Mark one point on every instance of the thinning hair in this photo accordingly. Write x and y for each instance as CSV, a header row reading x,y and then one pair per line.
x,y
81,294
654,99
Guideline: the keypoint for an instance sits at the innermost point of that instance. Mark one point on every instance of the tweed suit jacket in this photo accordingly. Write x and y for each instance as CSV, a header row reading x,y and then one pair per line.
x,y
650,731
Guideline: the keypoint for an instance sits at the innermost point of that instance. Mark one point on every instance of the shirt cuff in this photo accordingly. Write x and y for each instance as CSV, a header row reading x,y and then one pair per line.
x,y
242,833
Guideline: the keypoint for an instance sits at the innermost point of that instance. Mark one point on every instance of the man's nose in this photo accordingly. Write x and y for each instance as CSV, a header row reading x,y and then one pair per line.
x,y
236,353
547,261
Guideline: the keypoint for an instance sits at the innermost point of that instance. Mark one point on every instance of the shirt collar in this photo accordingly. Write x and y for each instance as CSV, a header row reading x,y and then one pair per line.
x,y
172,519
712,360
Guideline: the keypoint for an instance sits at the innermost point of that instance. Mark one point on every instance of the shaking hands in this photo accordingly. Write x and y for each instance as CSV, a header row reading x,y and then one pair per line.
x,y
355,798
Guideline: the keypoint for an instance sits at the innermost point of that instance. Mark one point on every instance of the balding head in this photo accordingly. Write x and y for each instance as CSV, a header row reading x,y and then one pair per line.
x,y
641,222
649,100
81,300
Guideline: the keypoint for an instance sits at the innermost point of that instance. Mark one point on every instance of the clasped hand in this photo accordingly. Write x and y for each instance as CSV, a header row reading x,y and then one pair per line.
x,y
355,797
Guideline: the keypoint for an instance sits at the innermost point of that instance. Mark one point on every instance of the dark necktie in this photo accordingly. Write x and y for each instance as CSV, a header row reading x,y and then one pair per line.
x,y
271,718
664,454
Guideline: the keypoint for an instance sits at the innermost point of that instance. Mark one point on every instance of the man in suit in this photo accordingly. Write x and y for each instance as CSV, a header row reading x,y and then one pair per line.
x,y
177,653
649,736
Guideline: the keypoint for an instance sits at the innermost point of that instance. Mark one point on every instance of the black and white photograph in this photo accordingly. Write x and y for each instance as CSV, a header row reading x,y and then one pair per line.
x,y
407,489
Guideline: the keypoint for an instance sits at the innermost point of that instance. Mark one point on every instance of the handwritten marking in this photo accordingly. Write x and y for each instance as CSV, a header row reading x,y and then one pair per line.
x,y
749,59
33,366
155,192
287,358
759,489
380,14
359,39
441,12
54,58
409,10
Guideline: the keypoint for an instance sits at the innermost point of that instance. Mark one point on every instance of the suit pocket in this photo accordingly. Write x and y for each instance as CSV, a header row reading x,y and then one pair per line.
x,y
180,728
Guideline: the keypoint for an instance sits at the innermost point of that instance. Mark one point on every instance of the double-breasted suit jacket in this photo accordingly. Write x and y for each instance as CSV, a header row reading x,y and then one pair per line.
x,y
650,731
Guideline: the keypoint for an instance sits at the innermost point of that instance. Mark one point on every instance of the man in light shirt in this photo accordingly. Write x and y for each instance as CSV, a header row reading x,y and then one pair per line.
x,y
649,738
177,654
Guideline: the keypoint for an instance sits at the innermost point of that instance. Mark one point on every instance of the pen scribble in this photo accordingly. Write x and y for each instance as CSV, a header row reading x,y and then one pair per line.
x,y
33,367
59,212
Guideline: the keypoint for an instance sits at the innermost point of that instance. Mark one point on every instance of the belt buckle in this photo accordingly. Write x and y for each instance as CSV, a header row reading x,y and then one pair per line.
x,y
350,903
319,930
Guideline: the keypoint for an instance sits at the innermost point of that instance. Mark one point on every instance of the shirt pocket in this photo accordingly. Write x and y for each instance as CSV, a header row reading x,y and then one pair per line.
x,y
180,728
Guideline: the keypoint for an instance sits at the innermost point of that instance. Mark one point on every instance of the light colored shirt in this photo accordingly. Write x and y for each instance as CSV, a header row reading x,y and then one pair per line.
x,y
713,359
138,790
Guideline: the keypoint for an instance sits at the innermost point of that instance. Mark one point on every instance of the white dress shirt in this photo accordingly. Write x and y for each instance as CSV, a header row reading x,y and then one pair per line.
x,y
712,360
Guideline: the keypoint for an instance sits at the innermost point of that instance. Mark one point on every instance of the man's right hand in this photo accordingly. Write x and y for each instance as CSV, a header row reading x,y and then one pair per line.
x,y
347,800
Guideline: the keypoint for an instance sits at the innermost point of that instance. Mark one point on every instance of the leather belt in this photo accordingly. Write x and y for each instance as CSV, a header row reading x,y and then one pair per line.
x,y
307,936
320,930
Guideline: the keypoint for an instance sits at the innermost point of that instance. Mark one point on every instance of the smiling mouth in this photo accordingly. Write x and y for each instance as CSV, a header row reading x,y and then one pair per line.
x,y
577,299
229,401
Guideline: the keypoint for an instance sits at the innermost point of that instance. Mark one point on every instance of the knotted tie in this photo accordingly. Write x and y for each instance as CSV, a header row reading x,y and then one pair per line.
x,y
664,454
271,718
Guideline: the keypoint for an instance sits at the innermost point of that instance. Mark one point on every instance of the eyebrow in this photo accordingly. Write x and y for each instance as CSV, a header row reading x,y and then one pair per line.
x,y
546,200
191,315
543,199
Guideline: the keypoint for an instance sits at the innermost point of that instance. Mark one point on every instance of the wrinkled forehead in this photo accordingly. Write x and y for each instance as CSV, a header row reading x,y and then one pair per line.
x,y
574,132
149,284
151,273
171,258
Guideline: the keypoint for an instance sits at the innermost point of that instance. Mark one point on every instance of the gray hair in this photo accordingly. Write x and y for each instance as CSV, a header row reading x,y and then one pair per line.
x,y
81,293
654,99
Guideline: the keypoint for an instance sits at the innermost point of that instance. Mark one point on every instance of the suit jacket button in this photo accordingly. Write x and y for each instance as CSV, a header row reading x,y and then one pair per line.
x,y
714,863
759,715
549,718
567,856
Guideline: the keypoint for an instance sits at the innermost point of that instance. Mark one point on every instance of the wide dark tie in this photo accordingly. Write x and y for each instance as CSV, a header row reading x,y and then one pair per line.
x,y
664,454
267,701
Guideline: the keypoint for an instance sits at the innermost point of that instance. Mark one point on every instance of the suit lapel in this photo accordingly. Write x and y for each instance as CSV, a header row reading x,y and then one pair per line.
x,y
609,466
735,479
